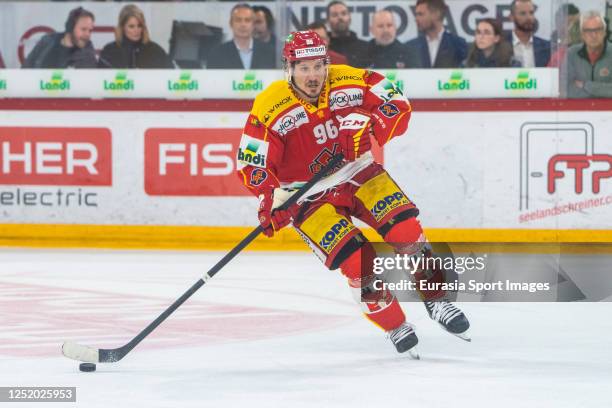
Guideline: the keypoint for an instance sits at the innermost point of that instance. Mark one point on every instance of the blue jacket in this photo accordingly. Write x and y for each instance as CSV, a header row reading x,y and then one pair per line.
x,y
541,49
451,53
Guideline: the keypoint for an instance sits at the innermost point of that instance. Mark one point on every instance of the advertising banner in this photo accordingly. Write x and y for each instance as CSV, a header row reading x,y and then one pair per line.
x,y
472,169
241,84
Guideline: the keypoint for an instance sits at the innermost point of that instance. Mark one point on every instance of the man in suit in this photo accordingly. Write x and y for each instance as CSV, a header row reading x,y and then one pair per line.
x,y
436,47
243,51
530,50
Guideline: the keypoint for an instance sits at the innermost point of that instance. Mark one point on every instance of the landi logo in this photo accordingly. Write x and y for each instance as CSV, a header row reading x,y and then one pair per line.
x,y
57,83
546,172
399,83
120,83
522,82
55,156
456,83
3,85
251,155
249,83
184,84
192,162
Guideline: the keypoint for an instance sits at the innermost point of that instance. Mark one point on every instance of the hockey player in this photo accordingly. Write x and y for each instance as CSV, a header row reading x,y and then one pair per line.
x,y
294,127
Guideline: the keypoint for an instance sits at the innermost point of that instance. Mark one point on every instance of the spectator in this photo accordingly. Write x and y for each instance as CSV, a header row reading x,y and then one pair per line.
x,y
589,64
490,50
133,47
384,50
319,28
342,40
72,48
567,33
530,50
263,25
435,46
243,51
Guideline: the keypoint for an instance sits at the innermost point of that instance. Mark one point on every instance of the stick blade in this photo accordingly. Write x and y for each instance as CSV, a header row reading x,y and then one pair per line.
x,y
79,352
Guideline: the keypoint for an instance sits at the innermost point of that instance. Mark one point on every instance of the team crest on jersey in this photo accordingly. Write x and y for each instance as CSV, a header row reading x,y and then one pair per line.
x,y
290,121
322,158
252,152
258,176
389,110
345,98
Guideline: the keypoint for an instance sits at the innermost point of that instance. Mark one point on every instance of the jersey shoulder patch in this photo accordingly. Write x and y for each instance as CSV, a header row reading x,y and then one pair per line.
x,y
274,100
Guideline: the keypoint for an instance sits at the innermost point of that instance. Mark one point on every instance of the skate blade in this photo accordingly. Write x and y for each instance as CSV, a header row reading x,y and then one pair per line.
x,y
414,353
463,336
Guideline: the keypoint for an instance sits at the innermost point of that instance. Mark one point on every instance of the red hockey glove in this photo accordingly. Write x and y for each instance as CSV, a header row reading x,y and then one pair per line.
x,y
354,135
271,220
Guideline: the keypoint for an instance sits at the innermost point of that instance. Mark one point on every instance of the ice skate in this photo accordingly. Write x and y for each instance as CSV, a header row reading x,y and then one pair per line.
x,y
405,339
450,317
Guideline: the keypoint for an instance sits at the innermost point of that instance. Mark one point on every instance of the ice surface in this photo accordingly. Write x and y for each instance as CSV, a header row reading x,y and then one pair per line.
x,y
276,330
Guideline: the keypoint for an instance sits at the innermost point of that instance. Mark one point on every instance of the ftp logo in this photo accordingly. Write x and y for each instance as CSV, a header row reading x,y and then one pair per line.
x,y
578,163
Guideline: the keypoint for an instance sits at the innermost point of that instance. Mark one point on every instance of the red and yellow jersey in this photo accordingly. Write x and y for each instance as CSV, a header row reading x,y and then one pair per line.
x,y
286,139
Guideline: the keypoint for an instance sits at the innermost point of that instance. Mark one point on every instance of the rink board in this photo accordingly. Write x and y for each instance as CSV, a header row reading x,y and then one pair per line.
x,y
149,173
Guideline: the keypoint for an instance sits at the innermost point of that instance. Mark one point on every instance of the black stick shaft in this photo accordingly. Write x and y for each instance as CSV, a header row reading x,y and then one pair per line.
x,y
111,355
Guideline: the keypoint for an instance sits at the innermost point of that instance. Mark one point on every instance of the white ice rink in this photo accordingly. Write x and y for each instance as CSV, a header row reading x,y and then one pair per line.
x,y
276,330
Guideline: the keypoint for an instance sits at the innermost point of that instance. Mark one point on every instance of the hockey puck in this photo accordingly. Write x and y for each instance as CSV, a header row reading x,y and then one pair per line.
x,y
87,367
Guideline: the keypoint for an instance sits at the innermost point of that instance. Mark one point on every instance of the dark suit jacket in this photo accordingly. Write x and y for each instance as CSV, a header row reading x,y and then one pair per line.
x,y
451,52
225,56
541,49
395,55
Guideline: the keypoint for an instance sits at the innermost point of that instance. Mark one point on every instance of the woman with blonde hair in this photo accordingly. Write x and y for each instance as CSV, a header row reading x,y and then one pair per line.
x,y
133,47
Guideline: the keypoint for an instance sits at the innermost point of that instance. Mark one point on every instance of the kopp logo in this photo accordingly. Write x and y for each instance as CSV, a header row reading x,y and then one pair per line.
x,y
335,234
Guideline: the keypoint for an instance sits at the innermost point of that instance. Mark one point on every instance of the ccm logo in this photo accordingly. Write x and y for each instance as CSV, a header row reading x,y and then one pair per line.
x,y
188,162
55,156
354,121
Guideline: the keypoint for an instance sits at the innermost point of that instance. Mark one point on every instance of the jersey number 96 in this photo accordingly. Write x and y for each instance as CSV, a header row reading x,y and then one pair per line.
x,y
325,131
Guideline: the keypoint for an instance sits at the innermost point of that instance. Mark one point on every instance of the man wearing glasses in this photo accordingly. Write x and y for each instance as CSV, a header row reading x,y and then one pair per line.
x,y
590,63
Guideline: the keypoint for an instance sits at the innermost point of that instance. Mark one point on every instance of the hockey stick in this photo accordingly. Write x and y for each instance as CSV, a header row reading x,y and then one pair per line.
x,y
93,355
